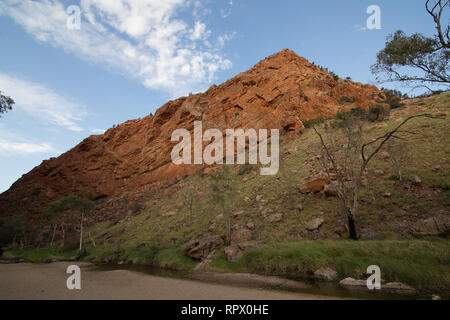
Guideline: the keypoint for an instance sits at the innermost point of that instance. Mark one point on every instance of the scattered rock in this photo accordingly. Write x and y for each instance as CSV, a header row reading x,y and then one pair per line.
x,y
277,217
199,249
299,207
314,224
266,211
366,233
387,194
397,286
432,226
379,172
417,181
238,214
233,253
340,229
251,226
241,235
206,262
350,282
384,155
313,185
326,274
331,189
437,168
248,245
170,214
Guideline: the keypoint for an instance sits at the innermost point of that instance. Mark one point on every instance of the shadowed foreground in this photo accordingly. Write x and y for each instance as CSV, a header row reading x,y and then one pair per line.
x,y
48,281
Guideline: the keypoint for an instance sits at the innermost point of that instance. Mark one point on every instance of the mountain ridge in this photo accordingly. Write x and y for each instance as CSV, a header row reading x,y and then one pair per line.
x,y
279,92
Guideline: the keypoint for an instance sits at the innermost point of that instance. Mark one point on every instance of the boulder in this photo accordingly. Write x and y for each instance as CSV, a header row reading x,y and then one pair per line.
x,y
233,253
248,245
170,214
432,226
313,185
331,189
314,224
326,274
350,282
238,213
199,249
384,155
398,286
241,235
417,181
277,217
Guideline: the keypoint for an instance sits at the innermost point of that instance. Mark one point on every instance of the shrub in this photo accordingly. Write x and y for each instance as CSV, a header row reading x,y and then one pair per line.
x,y
357,112
345,99
311,123
377,113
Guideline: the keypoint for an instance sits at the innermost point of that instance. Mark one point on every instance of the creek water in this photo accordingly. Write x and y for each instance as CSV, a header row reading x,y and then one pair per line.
x,y
309,286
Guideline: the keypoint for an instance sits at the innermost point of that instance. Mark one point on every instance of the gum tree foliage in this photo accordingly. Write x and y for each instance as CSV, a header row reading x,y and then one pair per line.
x,y
416,58
78,203
6,103
12,229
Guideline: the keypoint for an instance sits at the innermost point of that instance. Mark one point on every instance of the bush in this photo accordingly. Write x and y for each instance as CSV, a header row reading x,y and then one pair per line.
x,y
377,113
311,123
393,99
345,99
357,112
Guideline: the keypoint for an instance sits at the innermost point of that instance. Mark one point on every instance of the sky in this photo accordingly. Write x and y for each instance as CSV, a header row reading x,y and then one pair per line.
x,y
129,57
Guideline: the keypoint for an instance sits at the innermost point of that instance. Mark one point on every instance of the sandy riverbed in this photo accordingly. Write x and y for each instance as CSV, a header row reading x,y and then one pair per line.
x,y
48,281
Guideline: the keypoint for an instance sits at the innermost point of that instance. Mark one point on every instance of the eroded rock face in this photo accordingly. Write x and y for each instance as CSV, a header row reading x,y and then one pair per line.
x,y
279,92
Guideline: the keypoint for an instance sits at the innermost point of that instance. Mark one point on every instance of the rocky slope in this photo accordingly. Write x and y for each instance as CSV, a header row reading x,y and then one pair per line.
x,y
281,91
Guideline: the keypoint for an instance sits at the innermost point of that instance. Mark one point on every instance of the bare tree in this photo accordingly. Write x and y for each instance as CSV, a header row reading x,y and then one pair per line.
x,y
346,157
398,155
223,192
435,9
188,197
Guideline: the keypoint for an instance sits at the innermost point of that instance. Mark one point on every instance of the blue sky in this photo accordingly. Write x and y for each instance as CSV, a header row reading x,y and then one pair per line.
x,y
130,56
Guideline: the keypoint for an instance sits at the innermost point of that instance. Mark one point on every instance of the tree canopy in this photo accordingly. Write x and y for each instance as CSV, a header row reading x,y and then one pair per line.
x,y
6,103
417,58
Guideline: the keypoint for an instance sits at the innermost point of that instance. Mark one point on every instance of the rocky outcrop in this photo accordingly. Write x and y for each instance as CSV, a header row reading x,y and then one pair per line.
x,y
199,249
314,184
279,92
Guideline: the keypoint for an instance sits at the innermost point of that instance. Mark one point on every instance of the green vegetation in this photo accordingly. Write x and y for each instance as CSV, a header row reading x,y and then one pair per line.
x,y
6,103
345,99
42,254
422,264
311,123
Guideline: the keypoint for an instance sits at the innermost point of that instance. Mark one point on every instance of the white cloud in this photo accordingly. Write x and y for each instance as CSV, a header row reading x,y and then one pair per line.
x,y
41,102
98,131
142,39
13,147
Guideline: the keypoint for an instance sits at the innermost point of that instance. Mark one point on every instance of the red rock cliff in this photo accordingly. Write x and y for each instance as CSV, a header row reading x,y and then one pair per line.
x,y
278,92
